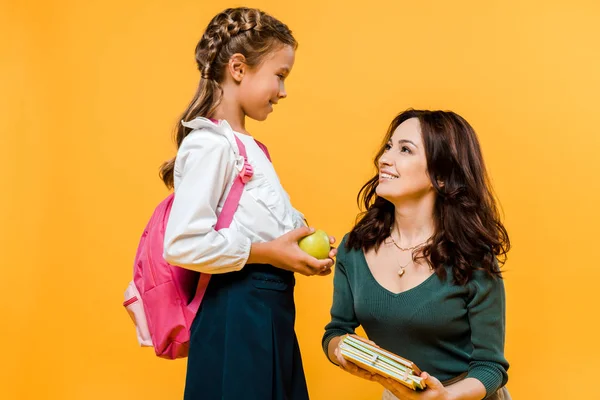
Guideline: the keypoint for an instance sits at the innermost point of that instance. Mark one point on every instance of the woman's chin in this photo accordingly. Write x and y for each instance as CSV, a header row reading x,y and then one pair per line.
x,y
384,194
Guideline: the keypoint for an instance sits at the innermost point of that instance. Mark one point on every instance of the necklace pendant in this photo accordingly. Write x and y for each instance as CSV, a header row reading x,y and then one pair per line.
x,y
401,271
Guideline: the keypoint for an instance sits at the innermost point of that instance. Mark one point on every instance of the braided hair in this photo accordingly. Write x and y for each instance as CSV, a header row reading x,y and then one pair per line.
x,y
247,31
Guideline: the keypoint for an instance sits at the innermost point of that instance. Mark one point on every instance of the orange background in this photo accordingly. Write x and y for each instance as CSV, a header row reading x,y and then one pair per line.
x,y
90,92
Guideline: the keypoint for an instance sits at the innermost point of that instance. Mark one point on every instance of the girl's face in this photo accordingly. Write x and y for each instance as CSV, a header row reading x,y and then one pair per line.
x,y
263,86
403,171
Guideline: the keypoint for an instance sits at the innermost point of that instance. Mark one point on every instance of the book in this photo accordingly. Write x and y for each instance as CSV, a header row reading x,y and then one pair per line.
x,y
382,362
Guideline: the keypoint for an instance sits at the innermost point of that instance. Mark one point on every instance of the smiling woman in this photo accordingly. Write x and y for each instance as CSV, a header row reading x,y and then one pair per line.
x,y
404,157
419,271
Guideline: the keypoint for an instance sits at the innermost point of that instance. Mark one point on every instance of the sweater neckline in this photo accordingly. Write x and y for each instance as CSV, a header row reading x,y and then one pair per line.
x,y
382,288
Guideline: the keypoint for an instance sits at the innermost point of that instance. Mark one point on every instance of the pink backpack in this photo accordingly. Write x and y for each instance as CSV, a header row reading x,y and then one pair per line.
x,y
163,299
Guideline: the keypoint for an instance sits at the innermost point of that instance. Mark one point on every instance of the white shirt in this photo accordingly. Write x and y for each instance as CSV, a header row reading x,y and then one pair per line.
x,y
206,165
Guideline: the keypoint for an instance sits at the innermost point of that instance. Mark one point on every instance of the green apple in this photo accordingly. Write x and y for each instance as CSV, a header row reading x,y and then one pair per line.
x,y
316,244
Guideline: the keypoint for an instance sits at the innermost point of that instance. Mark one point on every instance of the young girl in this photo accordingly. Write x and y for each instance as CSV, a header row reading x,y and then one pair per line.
x,y
419,270
242,343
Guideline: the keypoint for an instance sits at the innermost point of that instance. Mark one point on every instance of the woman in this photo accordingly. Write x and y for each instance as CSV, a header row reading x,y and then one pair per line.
x,y
419,271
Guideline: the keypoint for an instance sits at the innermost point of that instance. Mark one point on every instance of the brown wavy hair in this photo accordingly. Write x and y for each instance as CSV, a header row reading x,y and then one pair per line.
x,y
468,232
247,31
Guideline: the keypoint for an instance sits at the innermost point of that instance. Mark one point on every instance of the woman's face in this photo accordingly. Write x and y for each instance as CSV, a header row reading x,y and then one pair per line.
x,y
403,174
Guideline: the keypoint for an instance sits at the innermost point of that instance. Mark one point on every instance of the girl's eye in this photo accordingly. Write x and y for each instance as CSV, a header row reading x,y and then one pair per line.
x,y
388,146
405,149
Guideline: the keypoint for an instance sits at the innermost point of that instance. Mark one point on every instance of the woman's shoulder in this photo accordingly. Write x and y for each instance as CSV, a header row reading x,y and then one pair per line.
x,y
483,283
342,249
346,255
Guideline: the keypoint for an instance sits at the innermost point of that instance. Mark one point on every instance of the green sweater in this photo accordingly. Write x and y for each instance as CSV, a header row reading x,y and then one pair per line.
x,y
443,328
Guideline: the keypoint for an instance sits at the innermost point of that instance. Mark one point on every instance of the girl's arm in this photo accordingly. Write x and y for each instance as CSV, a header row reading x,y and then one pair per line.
x,y
206,165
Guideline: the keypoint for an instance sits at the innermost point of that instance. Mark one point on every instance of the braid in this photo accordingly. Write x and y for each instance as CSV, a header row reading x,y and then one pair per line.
x,y
220,31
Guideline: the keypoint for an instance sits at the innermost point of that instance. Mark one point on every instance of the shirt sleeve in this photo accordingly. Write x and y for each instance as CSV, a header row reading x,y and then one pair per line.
x,y
486,310
206,165
343,317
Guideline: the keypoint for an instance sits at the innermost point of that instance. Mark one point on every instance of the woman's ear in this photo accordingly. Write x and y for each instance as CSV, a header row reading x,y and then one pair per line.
x,y
237,67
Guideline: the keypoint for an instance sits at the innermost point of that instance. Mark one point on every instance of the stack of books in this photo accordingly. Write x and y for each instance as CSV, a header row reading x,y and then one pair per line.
x,y
382,362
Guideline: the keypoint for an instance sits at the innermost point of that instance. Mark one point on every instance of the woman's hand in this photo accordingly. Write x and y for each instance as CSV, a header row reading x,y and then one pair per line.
x,y
349,366
434,390
285,253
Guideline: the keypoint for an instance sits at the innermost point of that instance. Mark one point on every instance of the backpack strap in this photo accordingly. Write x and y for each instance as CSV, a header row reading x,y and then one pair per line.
x,y
264,149
235,193
225,218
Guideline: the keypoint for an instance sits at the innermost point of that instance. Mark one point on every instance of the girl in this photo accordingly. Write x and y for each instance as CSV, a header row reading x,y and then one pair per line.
x,y
419,269
242,343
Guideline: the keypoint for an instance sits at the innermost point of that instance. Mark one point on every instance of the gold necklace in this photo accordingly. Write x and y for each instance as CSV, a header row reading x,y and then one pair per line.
x,y
402,267
402,270
408,248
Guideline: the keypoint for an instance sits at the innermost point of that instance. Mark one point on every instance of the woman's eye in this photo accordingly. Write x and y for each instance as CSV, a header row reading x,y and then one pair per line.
x,y
405,149
387,146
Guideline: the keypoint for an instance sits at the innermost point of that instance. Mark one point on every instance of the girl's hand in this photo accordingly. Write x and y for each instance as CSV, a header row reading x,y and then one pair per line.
x,y
332,254
434,390
285,253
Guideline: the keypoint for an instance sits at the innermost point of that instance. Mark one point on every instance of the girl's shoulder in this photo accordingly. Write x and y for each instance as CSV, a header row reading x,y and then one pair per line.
x,y
209,136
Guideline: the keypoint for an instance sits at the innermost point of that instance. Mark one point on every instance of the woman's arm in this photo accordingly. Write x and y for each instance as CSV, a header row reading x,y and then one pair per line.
x,y
486,308
343,319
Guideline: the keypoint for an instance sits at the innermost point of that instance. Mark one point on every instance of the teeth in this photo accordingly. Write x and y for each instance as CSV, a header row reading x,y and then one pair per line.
x,y
388,176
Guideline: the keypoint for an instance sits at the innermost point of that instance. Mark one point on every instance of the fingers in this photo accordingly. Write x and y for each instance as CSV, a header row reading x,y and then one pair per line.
x,y
318,265
308,270
398,389
350,367
304,271
431,381
341,360
358,371
303,263
333,253
312,266
298,233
